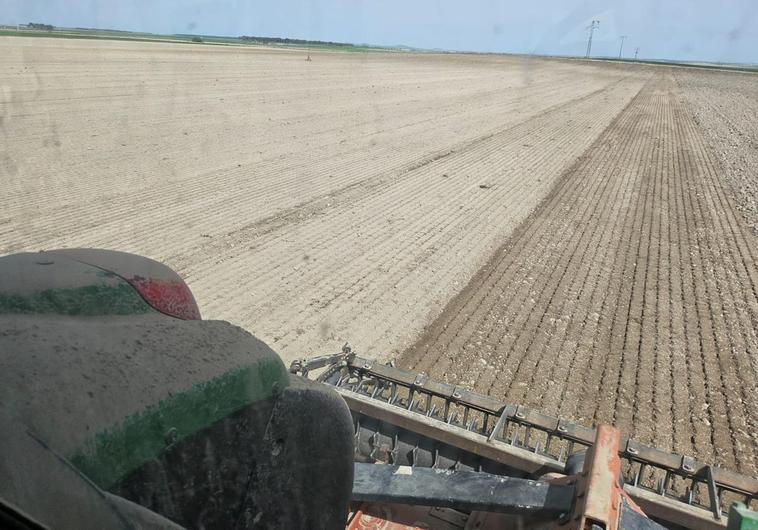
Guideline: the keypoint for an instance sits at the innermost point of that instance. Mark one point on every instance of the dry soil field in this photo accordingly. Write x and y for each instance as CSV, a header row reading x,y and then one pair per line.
x,y
567,235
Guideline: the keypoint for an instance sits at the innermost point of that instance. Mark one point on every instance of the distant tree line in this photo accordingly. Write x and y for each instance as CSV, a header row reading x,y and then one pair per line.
x,y
45,27
279,40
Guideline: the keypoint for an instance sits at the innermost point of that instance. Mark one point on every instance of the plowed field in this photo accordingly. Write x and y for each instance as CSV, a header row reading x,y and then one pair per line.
x,y
568,235
627,297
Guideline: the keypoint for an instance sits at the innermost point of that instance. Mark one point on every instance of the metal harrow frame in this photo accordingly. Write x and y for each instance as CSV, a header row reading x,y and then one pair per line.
x,y
391,406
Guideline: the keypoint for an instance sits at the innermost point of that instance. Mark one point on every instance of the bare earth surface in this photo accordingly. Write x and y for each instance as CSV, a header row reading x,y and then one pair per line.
x,y
726,108
628,297
567,235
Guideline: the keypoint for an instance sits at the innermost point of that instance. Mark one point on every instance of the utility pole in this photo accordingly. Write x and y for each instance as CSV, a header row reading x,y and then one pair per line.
x,y
636,52
592,27
623,38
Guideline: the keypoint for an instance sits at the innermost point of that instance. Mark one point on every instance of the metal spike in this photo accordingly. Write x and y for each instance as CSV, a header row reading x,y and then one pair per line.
x,y
500,427
713,492
374,445
393,395
394,451
664,484
637,477
357,435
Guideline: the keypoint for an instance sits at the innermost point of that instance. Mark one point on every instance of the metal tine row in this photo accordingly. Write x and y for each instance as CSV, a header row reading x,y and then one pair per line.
x,y
451,413
512,431
508,430
687,492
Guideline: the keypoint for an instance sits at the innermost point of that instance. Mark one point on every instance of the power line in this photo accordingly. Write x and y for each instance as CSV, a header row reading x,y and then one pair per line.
x,y
592,27
623,38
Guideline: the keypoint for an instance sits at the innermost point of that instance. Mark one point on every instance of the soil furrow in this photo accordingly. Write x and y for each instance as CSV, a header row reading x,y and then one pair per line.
x,y
636,235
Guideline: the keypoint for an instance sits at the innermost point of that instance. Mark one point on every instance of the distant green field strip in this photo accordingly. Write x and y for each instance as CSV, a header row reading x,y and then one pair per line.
x,y
66,35
182,39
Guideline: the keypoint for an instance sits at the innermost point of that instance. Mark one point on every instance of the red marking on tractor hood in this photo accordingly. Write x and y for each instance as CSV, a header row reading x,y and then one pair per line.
x,y
170,297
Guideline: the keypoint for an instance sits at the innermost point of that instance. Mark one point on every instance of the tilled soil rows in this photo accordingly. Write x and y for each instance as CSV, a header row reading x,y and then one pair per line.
x,y
725,106
313,203
569,235
627,297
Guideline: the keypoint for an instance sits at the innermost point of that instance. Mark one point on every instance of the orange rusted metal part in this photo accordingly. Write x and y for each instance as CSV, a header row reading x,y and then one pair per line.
x,y
381,516
598,490
375,517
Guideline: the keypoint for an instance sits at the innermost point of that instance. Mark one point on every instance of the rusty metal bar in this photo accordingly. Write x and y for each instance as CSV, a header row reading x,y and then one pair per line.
x,y
598,491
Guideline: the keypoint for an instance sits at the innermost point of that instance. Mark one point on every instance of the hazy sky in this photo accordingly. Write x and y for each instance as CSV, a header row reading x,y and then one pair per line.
x,y
713,30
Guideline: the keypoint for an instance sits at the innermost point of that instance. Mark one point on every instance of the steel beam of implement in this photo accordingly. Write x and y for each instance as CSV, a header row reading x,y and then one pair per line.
x,y
462,490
